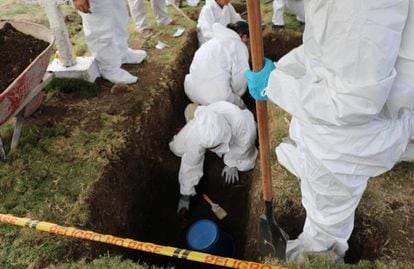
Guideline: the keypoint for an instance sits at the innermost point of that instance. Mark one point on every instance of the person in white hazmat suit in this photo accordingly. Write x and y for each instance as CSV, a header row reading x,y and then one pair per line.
x,y
220,11
350,91
295,6
222,128
105,26
217,70
139,16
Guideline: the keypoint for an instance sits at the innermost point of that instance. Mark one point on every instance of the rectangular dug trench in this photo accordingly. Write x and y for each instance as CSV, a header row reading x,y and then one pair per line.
x,y
137,196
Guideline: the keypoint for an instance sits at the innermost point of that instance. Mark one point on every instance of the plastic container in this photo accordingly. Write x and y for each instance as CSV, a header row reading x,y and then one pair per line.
x,y
205,236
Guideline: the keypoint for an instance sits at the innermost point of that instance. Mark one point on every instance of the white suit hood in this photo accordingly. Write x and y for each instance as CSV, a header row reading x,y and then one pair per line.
x,y
212,129
220,31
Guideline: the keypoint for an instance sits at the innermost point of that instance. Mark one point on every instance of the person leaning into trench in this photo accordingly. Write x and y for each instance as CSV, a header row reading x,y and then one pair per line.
x,y
222,128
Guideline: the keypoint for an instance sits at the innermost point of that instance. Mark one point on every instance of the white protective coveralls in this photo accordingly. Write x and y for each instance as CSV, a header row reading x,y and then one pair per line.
x,y
216,73
295,6
222,128
107,38
352,115
139,14
211,13
193,3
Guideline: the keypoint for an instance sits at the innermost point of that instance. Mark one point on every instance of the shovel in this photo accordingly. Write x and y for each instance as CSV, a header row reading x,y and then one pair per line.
x,y
216,208
272,239
181,12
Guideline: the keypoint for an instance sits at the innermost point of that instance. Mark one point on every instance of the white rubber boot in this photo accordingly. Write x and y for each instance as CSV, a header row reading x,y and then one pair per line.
x,y
134,56
119,76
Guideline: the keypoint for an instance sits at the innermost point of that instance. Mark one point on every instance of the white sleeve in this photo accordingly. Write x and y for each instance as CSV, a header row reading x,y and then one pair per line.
x,y
205,25
345,70
235,17
191,169
243,158
243,153
240,63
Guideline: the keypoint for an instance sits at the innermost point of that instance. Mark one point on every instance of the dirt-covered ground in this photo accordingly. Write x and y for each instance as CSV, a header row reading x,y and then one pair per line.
x,y
17,51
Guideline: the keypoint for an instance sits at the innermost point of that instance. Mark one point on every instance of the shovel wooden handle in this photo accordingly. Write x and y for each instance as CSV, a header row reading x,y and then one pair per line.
x,y
181,12
207,199
256,46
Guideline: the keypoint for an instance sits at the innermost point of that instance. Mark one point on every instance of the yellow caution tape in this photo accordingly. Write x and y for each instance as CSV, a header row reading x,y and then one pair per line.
x,y
132,244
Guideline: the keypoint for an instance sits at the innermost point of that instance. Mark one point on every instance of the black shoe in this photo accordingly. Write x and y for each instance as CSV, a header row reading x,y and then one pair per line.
x,y
277,27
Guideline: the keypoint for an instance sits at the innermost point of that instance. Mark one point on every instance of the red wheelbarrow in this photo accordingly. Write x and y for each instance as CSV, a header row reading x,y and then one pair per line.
x,y
24,95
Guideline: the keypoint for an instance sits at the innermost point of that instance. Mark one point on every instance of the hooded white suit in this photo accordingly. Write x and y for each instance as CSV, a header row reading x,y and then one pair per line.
x,y
211,13
216,73
222,128
352,115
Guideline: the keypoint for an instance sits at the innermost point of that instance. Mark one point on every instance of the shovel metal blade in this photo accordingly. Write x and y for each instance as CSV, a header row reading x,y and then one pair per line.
x,y
272,239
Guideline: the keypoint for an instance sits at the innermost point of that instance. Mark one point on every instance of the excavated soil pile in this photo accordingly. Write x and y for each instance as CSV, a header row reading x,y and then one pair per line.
x,y
17,51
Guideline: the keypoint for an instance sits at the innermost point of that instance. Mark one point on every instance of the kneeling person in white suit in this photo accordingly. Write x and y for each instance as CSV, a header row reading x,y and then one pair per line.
x,y
222,128
216,73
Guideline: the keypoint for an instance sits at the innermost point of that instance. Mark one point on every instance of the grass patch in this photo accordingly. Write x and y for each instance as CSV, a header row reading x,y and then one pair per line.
x,y
84,88
105,262
290,19
48,178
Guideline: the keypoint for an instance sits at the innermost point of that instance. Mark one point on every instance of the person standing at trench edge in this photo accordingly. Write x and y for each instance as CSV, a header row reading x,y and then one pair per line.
x,y
295,6
138,14
105,26
350,91
222,128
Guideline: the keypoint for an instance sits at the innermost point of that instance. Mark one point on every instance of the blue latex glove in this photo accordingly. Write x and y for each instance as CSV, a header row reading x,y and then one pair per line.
x,y
257,81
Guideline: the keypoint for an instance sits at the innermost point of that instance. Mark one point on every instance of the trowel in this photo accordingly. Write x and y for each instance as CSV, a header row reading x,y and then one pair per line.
x,y
216,208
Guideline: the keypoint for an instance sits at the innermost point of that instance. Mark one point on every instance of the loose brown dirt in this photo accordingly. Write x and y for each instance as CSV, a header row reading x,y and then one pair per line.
x,y
17,51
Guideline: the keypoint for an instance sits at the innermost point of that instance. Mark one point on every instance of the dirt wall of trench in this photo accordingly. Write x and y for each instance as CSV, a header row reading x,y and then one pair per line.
x,y
124,191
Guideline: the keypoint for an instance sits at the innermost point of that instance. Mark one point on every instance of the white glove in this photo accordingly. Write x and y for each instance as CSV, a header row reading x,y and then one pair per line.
x,y
183,203
230,174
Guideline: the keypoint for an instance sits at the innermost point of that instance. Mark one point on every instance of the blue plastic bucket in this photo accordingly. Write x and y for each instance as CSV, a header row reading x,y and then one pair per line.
x,y
205,236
